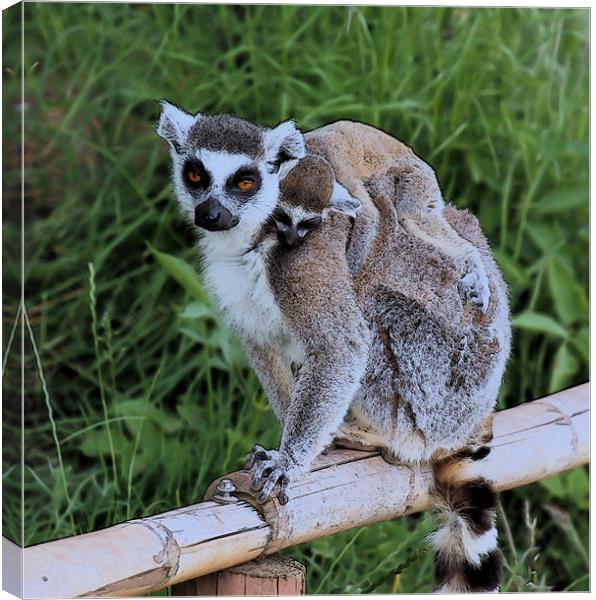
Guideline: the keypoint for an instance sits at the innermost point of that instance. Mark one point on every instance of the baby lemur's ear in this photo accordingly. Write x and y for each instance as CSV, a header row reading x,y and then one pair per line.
x,y
283,143
342,201
174,124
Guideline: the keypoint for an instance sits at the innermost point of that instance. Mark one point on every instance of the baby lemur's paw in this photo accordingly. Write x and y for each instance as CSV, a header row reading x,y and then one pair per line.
x,y
475,288
269,468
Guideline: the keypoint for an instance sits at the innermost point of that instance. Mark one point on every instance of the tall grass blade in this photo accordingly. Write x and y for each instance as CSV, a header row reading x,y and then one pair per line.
x,y
50,410
102,391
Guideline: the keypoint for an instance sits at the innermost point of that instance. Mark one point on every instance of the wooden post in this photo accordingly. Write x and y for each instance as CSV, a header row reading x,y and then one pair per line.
x,y
273,575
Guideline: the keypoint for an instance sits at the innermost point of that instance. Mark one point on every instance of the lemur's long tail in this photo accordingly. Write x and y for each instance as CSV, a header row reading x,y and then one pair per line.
x,y
466,552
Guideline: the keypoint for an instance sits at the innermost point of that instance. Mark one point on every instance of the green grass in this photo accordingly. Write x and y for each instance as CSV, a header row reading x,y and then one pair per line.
x,y
151,398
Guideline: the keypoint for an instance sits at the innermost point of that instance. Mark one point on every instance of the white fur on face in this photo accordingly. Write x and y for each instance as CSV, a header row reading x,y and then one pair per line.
x,y
221,165
298,214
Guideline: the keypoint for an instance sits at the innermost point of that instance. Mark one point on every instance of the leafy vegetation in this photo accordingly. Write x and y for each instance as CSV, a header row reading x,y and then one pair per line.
x,y
136,396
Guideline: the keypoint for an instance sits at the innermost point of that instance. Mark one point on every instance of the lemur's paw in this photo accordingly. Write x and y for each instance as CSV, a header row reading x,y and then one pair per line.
x,y
257,453
474,287
269,468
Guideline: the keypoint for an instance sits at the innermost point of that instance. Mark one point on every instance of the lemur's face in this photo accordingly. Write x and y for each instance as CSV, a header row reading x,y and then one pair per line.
x,y
294,224
308,192
225,169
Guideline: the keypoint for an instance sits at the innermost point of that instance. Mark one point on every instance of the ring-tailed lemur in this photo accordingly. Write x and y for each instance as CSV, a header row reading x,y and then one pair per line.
x,y
395,345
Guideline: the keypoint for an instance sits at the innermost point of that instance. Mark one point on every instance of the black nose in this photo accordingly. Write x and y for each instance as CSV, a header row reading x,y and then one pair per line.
x,y
210,217
289,237
213,216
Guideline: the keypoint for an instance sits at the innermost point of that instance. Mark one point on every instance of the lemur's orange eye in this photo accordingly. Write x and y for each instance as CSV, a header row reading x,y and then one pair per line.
x,y
193,177
246,184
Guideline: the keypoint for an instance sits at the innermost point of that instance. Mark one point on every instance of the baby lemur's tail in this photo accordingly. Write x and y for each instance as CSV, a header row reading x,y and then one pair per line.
x,y
466,552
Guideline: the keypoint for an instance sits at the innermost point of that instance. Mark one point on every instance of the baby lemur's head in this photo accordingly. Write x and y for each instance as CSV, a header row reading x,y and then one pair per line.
x,y
308,192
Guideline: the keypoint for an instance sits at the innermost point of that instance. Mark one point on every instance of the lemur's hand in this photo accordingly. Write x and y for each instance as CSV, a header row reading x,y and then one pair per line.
x,y
474,287
269,467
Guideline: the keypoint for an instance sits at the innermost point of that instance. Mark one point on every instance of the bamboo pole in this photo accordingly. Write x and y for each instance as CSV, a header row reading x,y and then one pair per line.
x,y
140,556
347,488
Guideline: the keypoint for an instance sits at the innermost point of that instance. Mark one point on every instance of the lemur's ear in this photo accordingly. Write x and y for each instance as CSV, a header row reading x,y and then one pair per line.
x,y
282,143
174,124
342,201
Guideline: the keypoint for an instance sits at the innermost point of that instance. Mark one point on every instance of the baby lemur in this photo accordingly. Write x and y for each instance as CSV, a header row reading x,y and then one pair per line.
x,y
385,329
308,192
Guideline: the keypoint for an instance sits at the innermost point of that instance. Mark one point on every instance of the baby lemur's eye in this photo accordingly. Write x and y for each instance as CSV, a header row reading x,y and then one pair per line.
x,y
310,223
280,216
246,183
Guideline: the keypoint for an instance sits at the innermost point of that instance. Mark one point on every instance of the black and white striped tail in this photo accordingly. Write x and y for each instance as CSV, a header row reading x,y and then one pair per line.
x,y
466,552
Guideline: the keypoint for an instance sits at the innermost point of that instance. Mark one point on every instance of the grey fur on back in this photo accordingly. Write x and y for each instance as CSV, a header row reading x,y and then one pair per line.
x,y
435,362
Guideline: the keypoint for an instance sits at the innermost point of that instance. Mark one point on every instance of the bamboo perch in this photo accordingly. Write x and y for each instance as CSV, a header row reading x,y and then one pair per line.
x,y
347,488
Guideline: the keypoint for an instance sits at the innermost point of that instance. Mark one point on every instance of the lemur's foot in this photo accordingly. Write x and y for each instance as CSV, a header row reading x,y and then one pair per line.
x,y
474,287
269,467
388,456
